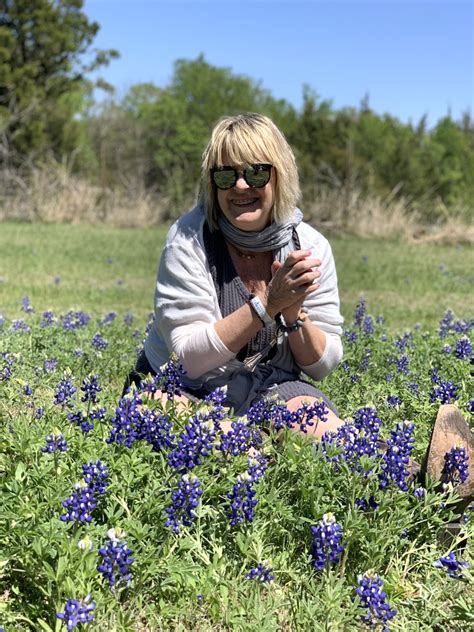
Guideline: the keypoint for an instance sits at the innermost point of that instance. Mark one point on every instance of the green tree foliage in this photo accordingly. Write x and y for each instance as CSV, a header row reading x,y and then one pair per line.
x,y
44,63
171,125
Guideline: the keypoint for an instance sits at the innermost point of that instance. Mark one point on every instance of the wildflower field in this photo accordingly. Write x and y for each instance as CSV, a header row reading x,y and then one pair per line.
x,y
123,514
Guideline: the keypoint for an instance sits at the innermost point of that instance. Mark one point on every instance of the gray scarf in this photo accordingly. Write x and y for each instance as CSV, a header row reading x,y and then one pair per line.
x,y
276,237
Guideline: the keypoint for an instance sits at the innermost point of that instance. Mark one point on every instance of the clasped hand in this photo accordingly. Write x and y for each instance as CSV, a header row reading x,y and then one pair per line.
x,y
292,281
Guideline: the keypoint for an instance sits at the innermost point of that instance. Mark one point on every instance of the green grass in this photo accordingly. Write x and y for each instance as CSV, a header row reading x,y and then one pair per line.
x,y
103,269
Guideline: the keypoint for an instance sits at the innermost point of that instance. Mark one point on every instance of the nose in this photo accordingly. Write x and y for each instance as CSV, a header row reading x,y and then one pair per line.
x,y
240,182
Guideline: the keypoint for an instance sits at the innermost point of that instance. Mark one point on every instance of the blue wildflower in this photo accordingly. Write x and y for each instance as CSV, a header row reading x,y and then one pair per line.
x,y
183,503
99,342
64,391
47,319
77,612
116,559
451,564
396,457
393,400
326,545
374,599
74,320
26,305
90,387
20,325
261,573
463,349
359,312
445,392
55,443
456,468
242,497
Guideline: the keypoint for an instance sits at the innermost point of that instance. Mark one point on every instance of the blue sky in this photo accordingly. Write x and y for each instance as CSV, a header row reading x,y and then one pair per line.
x,y
412,57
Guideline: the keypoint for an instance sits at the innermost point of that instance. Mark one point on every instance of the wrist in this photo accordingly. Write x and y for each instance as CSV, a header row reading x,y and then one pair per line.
x,y
261,310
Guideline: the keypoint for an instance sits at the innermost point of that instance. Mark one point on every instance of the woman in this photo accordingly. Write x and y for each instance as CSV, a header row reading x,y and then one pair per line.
x,y
246,294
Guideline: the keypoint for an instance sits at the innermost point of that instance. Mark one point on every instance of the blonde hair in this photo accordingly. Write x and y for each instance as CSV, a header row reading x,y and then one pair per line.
x,y
246,139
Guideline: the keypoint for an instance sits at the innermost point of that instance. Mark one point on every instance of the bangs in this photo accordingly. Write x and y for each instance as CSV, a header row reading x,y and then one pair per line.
x,y
239,149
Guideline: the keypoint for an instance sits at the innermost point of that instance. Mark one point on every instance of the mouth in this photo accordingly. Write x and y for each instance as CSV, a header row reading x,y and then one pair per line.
x,y
244,202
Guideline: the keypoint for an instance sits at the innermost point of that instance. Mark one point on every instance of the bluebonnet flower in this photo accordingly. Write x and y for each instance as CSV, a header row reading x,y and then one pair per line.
x,y
359,312
2,320
64,391
326,545
345,366
353,441
27,390
240,438
97,413
393,400
445,392
419,492
20,325
57,280
170,377
47,319
305,415
99,342
470,406
447,349
405,341
383,338
364,258
78,352
26,305
402,364
463,349
445,324
184,502
368,325
50,365
367,504
116,559
261,573
413,387
55,443
79,419
108,318
128,318
269,411
396,457
355,377
242,497
76,612
351,336
90,387
39,412
74,320
126,423
156,429
456,467
463,326
194,443
374,599
6,368
452,566
87,492
364,363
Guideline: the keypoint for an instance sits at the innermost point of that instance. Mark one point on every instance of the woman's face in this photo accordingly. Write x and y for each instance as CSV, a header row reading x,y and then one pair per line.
x,y
246,207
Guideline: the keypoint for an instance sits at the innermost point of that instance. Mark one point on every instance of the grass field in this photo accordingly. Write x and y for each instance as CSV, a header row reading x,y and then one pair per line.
x,y
100,269
145,518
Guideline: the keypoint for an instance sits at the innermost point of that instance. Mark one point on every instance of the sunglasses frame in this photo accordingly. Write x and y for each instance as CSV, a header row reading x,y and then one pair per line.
x,y
263,166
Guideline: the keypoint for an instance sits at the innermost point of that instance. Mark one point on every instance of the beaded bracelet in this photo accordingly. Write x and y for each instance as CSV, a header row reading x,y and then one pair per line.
x,y
299,322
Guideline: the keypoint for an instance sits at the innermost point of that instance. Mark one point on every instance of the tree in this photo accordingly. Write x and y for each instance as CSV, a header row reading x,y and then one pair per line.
x,y
45,58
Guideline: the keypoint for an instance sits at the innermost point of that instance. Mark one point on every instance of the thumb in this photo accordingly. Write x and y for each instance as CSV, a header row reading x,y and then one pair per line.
x,y
276,265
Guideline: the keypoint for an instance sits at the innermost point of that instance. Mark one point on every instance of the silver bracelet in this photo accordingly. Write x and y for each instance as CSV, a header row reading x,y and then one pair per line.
x,y
258,307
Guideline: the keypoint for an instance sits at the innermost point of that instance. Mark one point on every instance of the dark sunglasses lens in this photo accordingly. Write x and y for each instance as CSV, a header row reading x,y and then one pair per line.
x,y
257,176
224,179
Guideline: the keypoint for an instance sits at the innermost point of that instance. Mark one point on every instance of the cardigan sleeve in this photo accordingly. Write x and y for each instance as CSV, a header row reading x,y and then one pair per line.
x,y
186,308
323,305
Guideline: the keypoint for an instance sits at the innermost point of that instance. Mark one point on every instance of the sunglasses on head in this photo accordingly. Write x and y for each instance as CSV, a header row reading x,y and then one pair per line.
x,y
255,176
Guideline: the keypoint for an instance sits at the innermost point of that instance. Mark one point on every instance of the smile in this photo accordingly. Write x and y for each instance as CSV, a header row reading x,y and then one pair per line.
x,y
244,202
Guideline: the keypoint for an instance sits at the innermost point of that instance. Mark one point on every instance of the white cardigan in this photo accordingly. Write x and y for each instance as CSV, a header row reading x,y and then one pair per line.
x,y
186,308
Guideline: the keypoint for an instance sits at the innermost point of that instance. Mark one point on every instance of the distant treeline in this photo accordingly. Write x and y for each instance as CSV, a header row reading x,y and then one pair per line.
x,y
152,137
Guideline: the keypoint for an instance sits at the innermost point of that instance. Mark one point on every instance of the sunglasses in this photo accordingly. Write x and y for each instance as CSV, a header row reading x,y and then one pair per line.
x,y
255,176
